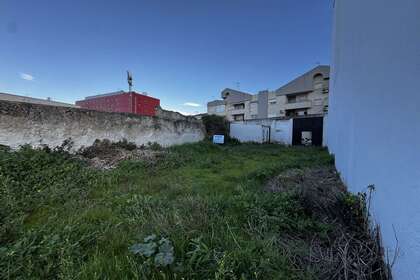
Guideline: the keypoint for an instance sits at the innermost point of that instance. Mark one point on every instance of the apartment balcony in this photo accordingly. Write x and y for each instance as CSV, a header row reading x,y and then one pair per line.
x,y
237,111
299,104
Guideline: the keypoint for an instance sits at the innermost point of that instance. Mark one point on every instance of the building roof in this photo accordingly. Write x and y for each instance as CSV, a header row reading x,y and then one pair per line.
x,y
234,91
235,96
117,93
304,83
216,103
231,96
104,94
25,99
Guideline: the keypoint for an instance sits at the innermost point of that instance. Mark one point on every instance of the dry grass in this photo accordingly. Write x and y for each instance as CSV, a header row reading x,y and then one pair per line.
x,y
352,249
105,155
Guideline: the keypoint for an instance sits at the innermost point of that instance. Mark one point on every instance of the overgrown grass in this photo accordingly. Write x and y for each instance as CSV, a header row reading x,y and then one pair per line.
x,y
61,219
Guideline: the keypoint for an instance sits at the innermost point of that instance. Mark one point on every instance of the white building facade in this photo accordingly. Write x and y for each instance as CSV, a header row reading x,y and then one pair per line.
x,y
374,116
305,95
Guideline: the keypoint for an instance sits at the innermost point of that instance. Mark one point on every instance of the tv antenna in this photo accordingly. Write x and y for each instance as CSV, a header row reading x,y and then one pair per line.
x,y
238,85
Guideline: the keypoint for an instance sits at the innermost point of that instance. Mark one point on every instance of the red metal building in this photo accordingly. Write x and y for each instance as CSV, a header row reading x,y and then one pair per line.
x,y
121,102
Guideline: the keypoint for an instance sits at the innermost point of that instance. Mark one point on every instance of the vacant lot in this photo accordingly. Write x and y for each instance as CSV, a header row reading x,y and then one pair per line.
x,y
194,211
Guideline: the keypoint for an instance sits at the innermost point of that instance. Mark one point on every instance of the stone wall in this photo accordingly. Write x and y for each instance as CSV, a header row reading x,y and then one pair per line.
x,y
34,124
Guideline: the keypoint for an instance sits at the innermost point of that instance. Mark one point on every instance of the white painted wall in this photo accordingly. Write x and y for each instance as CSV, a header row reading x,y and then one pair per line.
x,y
246,132
374,115
251,131
282,131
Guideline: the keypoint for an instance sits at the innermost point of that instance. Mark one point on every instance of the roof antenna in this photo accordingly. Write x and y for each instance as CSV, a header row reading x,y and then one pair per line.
x,y
238,85
130,81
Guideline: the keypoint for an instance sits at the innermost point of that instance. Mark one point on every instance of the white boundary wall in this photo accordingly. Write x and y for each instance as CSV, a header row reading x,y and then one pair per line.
x,y
246,132
374,116
281,131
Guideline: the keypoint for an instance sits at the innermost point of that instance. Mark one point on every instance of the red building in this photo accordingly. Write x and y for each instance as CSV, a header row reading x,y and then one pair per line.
x,y
121,102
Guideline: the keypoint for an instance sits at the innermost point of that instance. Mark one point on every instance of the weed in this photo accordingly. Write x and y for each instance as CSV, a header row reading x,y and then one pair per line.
x,y
106,147
154,146
205,204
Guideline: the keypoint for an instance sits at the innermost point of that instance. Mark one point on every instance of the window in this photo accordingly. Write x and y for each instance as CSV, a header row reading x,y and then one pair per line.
x,y
291,99
239,106
291,113
318,81
303,97
238,117
318,77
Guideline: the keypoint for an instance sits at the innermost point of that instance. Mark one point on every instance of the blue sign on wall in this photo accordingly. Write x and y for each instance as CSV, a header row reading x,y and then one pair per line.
x,y
218,139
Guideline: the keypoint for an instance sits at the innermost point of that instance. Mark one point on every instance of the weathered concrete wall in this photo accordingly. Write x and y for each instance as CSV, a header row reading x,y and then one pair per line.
x,y
165,114
34,124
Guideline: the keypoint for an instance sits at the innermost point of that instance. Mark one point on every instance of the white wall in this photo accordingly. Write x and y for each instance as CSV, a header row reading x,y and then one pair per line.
x,y
282,131
251,131
246,132
374,115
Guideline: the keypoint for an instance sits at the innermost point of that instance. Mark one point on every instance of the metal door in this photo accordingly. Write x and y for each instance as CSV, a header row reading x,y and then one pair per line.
x,y
266,134
314,125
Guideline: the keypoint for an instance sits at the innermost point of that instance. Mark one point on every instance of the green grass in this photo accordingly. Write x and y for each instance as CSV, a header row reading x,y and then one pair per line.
x,y
61,219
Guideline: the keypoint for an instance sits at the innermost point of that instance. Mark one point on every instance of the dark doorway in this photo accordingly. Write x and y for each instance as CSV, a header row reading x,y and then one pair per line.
x,y
314,125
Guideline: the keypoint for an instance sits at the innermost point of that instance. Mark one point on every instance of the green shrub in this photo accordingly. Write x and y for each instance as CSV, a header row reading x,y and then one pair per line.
x,y
232,141
124,144
215,125
154,146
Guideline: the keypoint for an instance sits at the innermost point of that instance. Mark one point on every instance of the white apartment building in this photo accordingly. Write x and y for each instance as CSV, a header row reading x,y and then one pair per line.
x,y
306,95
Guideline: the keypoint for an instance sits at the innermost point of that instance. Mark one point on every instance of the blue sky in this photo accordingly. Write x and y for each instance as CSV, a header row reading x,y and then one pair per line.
x,y
183,52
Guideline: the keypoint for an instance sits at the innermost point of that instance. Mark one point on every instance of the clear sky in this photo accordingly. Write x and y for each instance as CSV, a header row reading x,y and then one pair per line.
x,y
183,52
